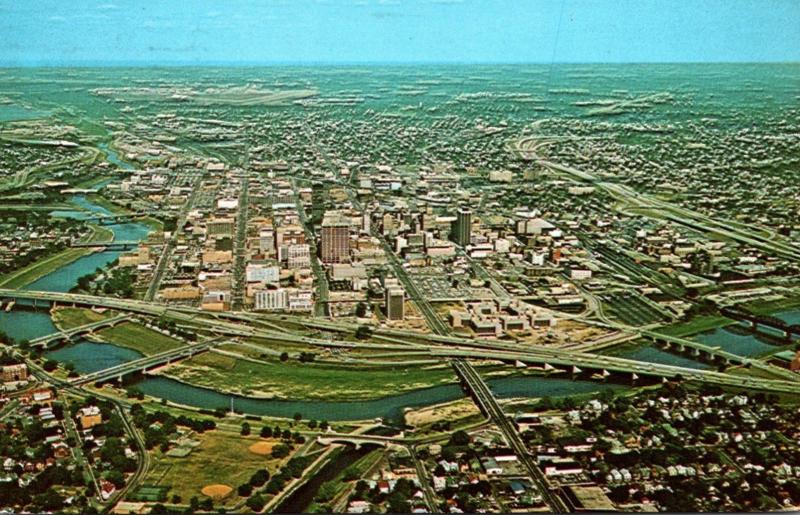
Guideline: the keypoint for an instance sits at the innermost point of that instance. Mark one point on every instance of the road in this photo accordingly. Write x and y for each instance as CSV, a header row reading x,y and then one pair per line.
x,y
169,247
240,248
321,307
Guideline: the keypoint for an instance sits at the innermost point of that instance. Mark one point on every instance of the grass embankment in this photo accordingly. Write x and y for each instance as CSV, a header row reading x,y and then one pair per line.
x,y
294,380
67,318
773,306
697,325
221,458
137,337
35,271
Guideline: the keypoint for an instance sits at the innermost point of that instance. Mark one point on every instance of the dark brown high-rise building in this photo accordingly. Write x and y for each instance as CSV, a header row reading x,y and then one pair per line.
x,y
335,238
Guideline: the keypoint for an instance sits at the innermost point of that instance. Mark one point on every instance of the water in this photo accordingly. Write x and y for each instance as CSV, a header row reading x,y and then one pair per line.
x,y
90,356
742,344
113,157
650,354
26,325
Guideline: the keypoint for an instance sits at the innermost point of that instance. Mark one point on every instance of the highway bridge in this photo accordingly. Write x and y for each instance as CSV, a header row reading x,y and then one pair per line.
x,y
715,352
46,341
488,405
109,245
145,363
756,320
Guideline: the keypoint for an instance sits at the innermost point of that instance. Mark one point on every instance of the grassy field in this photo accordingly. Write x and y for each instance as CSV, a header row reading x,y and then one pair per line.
x,y
221,458
138,337
67,318
294,380
697,325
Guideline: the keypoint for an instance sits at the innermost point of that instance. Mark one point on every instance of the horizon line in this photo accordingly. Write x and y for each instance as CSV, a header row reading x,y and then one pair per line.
x,y
322,64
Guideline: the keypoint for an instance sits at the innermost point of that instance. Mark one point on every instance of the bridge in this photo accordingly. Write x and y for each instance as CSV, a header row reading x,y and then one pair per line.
x,y
765,320
356,439
147,362
116,218
110,245
489,407
46,341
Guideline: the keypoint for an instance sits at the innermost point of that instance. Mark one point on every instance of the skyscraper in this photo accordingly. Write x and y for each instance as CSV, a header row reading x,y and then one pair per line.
x,y
395,303
335,238
462,227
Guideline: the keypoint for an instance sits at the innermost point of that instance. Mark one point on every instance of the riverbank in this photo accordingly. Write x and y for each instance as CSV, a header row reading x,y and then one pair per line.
x,y
43,267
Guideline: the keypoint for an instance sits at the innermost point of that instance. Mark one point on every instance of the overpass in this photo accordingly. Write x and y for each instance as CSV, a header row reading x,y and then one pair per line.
x,y
488,405
45,341
142,364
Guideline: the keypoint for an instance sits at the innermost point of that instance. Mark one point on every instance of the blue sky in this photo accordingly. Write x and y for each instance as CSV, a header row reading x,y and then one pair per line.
x,y
55,32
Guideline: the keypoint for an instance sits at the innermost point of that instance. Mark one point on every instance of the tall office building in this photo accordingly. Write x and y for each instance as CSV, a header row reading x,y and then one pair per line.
x,y
395,303
462,227
335,238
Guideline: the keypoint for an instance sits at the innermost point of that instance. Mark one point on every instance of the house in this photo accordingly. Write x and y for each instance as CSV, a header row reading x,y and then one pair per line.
x,y
107,489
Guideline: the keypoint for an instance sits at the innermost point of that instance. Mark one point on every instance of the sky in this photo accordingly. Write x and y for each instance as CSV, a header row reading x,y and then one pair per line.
x,y
150,32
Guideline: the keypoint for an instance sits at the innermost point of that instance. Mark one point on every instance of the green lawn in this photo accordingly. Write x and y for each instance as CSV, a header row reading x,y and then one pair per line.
x,y
138,337
295,380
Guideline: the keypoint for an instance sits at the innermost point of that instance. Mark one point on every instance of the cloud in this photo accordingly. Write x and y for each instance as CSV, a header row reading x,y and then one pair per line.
x,y
107,7
57,18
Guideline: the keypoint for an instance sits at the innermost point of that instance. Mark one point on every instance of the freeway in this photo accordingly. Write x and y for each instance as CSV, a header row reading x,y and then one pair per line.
x,y
488,404
443,347
681,215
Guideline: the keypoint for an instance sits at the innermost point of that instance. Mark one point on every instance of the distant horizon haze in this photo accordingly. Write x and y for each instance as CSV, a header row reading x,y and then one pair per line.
x,y
395,32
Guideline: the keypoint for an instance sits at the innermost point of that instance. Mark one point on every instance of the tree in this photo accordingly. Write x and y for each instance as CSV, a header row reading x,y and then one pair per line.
x,y
245,490
323,425
266,432
245,429
50,365
284,356
256,503
259,477
460,438
298,417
